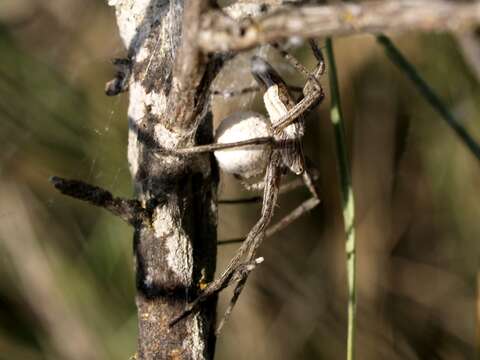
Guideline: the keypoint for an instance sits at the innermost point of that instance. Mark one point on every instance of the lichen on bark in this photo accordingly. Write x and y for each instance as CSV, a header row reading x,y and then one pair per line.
x,y
176,247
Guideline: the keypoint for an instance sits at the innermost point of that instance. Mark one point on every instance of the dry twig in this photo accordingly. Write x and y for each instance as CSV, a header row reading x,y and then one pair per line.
x,y
129,211
221,33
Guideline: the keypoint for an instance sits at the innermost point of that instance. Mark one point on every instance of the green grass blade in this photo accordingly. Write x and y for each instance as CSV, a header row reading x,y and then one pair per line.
x,y
428,93
348,204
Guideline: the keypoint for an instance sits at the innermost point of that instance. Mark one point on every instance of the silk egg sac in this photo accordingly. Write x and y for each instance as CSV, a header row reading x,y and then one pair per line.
x,y
245,161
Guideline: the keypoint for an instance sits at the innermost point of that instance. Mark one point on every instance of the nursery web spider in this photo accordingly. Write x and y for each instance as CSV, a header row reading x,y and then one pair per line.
x,y
285,152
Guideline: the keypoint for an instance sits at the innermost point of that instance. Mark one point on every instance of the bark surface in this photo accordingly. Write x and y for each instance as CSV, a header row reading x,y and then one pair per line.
x,y
175,245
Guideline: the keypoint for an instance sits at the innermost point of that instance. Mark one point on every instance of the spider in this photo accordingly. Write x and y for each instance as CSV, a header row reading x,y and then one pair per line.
x,y
279,148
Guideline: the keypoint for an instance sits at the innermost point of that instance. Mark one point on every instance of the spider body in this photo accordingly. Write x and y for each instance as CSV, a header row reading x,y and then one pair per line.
x,y
284,150
278,101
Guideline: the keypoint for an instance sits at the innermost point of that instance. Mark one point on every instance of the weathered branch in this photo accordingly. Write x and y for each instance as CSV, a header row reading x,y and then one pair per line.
x,y
188,69
129,211
221,33
176,250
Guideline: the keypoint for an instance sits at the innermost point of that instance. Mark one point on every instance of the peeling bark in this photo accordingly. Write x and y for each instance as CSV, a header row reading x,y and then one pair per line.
x,y
175,248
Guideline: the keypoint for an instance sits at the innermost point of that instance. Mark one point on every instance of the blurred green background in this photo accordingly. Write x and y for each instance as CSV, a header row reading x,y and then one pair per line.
x,y
66,289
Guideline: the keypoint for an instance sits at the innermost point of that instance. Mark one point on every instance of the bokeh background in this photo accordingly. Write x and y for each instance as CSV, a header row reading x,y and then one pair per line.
x,y
66,288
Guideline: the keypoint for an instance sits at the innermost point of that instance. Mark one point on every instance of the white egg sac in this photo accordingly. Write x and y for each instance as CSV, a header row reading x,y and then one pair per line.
x,y
245,161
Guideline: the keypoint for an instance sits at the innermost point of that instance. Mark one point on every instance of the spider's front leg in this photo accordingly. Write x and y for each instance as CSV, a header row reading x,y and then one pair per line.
x,y
312,93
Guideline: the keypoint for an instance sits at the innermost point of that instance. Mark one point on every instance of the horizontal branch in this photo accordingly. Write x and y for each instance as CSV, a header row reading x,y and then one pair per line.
x,y
221,33
130,211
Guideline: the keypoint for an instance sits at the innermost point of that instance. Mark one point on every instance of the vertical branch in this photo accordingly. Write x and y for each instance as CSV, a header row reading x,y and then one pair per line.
x,y
175,243
429,94
347,197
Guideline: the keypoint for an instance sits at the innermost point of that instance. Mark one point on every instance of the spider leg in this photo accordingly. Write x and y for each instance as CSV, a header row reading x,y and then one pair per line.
x,y
292,216
247,90
252,186
291,59
236,294
317,52
258,232
312,99
244,258
308,179
234,93
246,200
298,182
219,146
302,209
284,188
313,93
313,76
309,176
313,82
244,262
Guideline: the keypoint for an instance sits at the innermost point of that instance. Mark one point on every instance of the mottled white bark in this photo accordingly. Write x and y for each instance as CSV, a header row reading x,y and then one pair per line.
x,y
176,249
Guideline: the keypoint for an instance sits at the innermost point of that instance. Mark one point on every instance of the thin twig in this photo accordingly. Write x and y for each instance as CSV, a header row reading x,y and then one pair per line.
x,y
130,211
221,33
429,94
347,197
